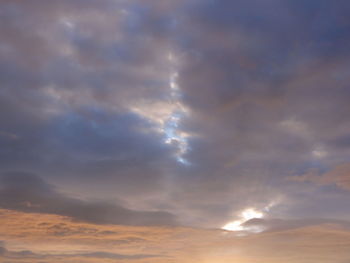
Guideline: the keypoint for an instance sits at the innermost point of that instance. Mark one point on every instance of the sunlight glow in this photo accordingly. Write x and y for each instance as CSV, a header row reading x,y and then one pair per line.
x,y
167,114
245,215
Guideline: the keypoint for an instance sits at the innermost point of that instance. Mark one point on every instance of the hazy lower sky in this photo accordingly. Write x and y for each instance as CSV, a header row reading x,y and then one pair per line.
x,y
175,131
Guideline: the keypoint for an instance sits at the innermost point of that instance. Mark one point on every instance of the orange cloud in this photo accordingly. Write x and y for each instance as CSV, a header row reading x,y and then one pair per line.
x,y
29,237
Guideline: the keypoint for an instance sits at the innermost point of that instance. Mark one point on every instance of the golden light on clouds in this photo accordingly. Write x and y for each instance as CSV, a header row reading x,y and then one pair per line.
x,y
49,238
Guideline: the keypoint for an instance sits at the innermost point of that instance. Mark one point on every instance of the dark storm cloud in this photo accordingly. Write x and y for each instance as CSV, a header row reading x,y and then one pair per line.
x,y
29,193
265,85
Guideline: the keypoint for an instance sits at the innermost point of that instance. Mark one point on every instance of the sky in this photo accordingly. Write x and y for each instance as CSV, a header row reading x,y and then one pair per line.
x,y
174,131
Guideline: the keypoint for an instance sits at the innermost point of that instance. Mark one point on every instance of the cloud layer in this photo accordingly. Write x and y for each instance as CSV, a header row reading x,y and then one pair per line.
x,y
175,112
47,238
27,192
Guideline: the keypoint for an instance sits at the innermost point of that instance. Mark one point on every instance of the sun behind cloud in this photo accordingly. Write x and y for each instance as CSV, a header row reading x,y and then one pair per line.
x,y
245,215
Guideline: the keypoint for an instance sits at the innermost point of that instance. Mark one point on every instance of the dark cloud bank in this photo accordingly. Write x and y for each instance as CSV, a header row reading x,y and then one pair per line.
x,y
29,193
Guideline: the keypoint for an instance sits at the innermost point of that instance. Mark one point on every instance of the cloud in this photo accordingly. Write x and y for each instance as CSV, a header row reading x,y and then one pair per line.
x,y
4,253
338,175
29,255
28,192
88,102
75,110
250,69
275,225
317,241
113,255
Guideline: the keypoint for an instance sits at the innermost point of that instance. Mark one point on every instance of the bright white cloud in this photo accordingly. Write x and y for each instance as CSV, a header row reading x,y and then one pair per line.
x,y
244,216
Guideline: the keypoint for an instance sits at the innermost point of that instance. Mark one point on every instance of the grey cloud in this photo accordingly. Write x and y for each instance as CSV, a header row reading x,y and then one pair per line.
x,y
266,88
71,74
26,254
114,255
273,225
265,84
29,193
5,253
338,175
